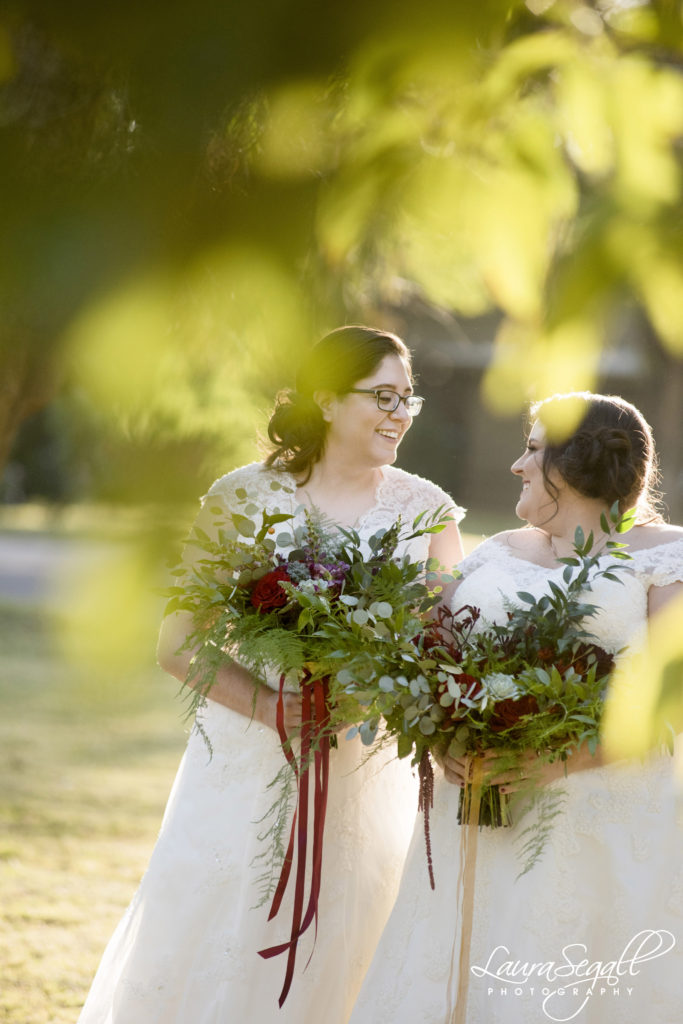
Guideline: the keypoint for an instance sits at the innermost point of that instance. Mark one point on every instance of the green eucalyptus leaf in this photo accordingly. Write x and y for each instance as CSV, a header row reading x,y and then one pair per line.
x,y
243,525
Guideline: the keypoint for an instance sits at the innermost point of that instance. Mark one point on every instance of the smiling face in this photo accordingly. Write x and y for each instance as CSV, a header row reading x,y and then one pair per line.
x,y
357,427
536,505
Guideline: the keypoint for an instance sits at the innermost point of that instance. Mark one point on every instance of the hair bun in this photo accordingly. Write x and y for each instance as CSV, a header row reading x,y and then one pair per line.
x,y
599,462
594,447
614,440
295,419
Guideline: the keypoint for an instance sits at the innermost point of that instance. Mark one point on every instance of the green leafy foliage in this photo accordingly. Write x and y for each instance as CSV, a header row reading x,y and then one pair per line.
x,y
464,687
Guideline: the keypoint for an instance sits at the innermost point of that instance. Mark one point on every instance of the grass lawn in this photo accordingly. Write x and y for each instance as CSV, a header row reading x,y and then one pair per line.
x,y
84,783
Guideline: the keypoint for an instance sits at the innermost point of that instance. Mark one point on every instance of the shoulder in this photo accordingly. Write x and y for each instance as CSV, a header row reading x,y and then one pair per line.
x,y
416,492
526,542
652,534
657,553
653,537
254,478
486,551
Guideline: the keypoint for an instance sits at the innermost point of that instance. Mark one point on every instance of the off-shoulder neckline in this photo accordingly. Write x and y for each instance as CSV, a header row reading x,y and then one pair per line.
x,y
500,542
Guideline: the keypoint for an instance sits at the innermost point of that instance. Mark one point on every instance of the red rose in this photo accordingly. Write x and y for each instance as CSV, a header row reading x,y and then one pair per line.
x,y
509,711
267,593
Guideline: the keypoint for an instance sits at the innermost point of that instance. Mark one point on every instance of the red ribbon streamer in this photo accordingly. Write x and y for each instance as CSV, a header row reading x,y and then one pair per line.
x,y
314,736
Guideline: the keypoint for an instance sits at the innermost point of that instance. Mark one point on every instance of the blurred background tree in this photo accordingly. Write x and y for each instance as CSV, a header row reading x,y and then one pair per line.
x,y
191,197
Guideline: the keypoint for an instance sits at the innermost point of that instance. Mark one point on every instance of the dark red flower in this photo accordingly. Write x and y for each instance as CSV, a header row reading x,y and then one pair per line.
x,y
508,712
267,593
604,662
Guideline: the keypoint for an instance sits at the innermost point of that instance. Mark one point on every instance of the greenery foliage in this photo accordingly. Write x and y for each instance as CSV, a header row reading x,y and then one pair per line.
x,y
187,207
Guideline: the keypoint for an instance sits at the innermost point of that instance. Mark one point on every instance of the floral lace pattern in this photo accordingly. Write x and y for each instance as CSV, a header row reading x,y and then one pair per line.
x,y
187,948
611,870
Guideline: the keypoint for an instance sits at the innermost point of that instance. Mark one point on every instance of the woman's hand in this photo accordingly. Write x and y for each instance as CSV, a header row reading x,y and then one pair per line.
x,y
528,768
265,711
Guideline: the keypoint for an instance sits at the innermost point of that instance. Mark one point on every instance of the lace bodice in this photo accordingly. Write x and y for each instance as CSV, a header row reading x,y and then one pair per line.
x,y
255,487
398,494
493,574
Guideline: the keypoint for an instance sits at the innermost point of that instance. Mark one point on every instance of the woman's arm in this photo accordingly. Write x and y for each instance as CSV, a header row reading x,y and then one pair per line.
x,y
234,686
447,546
659,597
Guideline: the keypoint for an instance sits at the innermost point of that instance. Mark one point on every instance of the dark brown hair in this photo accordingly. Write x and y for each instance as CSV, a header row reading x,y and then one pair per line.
x,y
610,455
342,358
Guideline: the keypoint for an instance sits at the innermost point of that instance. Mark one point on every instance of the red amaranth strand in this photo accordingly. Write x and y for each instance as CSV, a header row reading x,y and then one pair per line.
x,y
425,804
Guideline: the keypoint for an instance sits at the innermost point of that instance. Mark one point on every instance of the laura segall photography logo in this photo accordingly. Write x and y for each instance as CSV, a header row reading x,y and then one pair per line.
x,y
565,986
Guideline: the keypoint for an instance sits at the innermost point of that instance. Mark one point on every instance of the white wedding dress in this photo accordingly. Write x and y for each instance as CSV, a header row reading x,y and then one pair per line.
x,y
186,951
612,868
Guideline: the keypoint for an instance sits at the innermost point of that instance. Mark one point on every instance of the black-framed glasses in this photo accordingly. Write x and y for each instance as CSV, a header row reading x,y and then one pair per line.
x,y
388,401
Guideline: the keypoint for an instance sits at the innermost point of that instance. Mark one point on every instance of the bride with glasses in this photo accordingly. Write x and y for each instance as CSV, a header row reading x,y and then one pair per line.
x,y
186,951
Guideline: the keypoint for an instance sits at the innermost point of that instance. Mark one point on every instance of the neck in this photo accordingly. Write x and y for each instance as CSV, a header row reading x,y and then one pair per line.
x,y
344,473
562,528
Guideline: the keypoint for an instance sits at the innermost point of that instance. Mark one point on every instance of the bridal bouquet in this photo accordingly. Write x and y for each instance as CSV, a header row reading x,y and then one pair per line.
x,y
463,687
287,612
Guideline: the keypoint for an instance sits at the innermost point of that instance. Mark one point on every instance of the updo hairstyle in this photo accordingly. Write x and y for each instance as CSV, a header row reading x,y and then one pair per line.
x,y
297,428
610,455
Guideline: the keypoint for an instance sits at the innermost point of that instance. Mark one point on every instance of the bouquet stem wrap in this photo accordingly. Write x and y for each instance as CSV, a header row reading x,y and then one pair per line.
x,y
315,754
468,865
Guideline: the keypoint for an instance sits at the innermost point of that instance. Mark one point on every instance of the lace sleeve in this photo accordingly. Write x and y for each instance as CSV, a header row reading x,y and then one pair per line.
x,y
409,494
660,565
247,490
482,554
252,485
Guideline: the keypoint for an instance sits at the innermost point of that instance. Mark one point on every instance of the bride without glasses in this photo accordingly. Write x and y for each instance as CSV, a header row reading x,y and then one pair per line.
x,y
610,879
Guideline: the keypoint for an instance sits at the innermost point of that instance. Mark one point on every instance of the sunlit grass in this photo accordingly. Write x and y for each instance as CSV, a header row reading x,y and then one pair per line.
x,y
84,786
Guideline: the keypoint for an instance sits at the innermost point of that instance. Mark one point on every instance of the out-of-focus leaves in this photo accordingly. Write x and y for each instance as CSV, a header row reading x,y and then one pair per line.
x,y
647,112
502,155
531,364
646,699
197,353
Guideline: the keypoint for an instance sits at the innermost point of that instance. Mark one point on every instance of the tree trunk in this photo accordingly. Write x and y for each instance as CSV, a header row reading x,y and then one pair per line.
x,y
28,381
669,437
